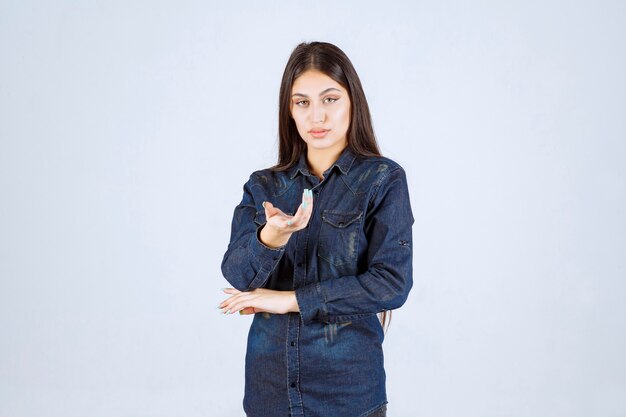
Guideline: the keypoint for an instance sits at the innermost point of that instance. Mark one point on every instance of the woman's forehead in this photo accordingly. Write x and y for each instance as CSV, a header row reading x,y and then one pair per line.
x,y
314,82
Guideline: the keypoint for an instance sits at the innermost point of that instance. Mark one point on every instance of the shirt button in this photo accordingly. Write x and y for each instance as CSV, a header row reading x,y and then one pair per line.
x,y
293,343
293,385
300,264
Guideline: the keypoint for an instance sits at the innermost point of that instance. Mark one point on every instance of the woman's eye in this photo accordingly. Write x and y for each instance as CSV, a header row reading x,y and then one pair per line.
x,y
331,98
300,103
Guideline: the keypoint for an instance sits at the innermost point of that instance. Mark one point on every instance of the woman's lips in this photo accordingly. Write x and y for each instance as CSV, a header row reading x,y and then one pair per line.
x,y
318,133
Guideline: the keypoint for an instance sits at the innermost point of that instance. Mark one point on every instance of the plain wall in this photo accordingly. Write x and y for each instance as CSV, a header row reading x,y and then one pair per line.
x,y
127,130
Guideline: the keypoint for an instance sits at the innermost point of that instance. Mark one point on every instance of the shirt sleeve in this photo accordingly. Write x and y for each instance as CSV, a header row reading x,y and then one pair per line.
x,y
248,262
386,283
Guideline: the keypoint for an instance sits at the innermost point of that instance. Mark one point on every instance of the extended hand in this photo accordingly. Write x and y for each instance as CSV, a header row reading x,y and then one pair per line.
x,y
258,301
279,226
283,222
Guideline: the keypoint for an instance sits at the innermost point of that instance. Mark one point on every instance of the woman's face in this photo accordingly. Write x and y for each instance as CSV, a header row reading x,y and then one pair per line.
x,y
320,106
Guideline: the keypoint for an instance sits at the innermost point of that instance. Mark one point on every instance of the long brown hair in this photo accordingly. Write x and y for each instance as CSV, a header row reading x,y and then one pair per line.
x,y
332,61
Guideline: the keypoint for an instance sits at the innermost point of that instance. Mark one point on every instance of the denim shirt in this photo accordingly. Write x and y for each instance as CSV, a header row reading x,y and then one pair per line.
x,y
352,261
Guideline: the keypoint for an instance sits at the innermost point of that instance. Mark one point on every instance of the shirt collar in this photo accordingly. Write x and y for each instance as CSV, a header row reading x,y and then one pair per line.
x,y
344,162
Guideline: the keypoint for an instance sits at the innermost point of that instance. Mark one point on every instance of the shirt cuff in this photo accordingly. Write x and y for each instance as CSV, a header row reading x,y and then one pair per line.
x,y
266,258
311,303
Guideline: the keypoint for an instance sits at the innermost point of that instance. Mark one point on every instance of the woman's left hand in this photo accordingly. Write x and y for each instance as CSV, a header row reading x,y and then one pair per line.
x,y
259,300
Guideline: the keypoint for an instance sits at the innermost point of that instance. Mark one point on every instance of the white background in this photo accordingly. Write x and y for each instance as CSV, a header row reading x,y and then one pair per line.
x,y
127,130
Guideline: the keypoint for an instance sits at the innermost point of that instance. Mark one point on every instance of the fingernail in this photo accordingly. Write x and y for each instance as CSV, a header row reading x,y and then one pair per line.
x,y
304,204
263,204
218,306
241,312
289,223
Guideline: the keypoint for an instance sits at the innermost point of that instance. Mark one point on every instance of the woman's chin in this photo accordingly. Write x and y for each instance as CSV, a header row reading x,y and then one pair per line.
x,y
324,144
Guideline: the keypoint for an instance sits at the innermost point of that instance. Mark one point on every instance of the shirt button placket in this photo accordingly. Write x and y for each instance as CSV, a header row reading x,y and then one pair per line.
x,y
293,370
293,327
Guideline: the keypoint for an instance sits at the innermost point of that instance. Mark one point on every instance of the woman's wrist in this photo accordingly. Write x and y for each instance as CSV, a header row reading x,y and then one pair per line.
x,y
273,238
294,307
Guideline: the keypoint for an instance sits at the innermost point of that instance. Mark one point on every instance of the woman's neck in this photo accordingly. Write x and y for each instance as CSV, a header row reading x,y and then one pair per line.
x,y
320,160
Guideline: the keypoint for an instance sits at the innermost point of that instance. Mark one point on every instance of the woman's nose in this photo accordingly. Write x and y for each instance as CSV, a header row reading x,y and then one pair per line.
x,y
318,114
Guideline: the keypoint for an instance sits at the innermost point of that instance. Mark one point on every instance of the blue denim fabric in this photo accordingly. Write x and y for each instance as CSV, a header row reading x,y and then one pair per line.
x,y
352,261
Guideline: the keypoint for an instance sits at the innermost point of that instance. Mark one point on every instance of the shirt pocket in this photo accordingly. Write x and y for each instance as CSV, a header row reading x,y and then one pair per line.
x,y
338,241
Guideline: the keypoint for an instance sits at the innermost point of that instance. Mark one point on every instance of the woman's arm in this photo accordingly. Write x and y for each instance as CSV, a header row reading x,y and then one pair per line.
x,y
389,276
258,301
254,250
248,262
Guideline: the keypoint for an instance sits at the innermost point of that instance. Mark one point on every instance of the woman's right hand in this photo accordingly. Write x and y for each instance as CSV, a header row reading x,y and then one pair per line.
x,y
279,226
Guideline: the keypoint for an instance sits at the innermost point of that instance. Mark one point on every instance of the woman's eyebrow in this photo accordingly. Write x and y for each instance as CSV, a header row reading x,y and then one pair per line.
x,y
321,94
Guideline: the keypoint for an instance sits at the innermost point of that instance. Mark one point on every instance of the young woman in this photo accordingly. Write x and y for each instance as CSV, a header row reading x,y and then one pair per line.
x,y
320,245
